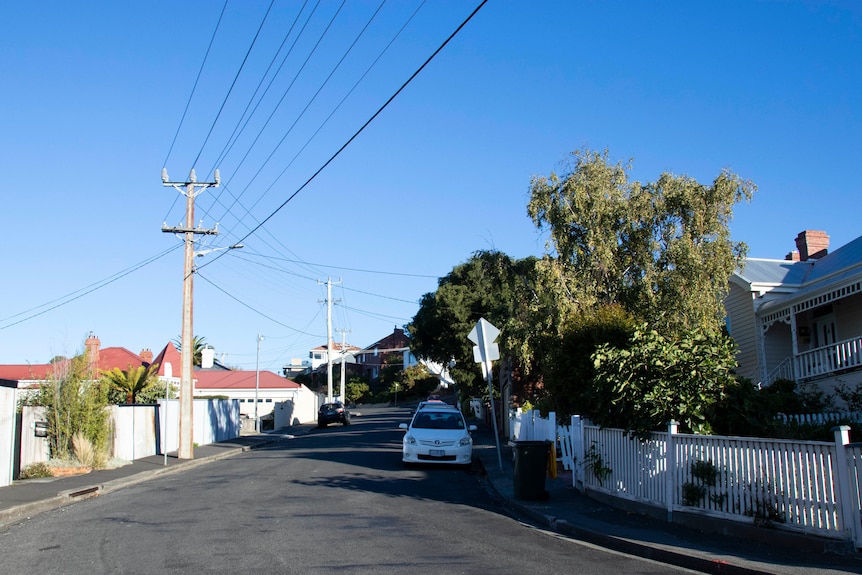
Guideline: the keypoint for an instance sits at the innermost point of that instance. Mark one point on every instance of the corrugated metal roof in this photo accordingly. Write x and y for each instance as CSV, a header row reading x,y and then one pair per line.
x,y
836,269
242,380
847,256
775,272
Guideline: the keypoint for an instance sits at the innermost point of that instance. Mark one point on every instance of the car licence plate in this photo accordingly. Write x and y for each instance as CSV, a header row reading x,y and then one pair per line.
x,y
436,453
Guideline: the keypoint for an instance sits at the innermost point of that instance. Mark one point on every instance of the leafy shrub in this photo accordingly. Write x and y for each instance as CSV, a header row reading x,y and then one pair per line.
x,y
35,470
659,379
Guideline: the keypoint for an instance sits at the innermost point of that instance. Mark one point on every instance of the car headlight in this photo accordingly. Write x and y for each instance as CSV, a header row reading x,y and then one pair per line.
x,y
410,440
465,441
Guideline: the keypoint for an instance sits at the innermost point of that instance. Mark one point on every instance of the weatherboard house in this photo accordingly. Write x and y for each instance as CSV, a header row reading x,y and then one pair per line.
x,y
800,318
394,349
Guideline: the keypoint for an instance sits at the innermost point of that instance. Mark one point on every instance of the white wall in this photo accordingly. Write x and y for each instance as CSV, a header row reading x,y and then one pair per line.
x,y
134,429
8,397
266,398
301,409
33,449
214,420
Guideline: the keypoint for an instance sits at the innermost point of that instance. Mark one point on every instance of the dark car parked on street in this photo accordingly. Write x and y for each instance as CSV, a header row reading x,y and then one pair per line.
x,y
332,413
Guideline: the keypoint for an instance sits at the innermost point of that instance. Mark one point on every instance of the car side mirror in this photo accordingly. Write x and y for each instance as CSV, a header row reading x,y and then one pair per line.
x,y
402,426
472,428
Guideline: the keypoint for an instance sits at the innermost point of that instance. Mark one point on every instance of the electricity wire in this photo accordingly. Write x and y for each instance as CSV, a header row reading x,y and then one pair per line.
x,y
78,294
335,109
278,105
237,130
323,124
188,103
236,77
258,312
195,86
361,129
344,268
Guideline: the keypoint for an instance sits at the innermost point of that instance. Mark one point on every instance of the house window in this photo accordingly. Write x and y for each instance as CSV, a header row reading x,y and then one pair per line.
x,y
269,401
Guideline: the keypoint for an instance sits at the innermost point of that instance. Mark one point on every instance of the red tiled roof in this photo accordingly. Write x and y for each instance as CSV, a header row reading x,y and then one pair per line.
x,y
169,355
25,371
241,380
336,347
395,340
109,358
120,357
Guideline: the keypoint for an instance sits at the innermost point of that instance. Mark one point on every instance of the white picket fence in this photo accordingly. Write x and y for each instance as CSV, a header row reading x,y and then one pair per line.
x,y
822,418
531,426
803,486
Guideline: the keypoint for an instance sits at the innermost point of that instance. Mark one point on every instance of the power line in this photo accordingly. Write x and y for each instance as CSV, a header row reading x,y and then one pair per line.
x,y
66,299
278,105
236,77
362,128
197,79
332,113
367,271
237,131
376,315
381,296
225,188
258,312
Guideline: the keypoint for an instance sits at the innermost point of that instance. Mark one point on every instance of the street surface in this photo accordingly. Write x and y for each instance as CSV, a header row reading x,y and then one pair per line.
x,y
334,501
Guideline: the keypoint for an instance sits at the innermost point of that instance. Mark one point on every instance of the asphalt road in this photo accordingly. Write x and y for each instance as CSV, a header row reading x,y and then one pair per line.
x,y
335,501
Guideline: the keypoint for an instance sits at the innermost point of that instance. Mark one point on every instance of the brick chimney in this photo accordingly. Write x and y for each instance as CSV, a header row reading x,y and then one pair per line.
x,y
792,256
146,355
812,244
91,348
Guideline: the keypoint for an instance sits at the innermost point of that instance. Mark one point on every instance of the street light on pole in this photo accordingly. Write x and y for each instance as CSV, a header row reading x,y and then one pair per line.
x,y
257,384
211,250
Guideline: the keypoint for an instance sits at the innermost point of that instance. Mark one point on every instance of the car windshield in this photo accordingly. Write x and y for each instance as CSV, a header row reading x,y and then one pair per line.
x,y
438,420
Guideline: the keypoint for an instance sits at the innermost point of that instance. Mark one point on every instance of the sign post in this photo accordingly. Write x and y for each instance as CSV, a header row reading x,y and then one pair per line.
x,y
486,350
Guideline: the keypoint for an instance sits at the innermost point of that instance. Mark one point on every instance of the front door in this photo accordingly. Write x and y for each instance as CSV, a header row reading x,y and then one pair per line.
x,y
824,330
825,335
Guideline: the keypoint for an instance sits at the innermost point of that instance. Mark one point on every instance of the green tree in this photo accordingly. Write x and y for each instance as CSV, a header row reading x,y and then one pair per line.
x,y
662,250
75,406
567,362
657,379
132,381
490,285
356,389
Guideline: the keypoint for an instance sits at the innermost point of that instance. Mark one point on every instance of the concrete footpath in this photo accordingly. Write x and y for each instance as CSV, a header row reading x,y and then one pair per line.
x,y
700,545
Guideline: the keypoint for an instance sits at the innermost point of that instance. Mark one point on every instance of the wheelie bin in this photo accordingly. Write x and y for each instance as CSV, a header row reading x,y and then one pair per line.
x,y
531,464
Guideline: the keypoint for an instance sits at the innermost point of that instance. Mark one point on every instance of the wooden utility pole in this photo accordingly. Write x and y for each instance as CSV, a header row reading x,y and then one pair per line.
x,y
189,189
343,370
329,348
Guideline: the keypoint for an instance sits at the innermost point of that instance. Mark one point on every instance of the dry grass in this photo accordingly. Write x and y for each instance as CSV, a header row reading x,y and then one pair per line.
x,y
86,454
82,448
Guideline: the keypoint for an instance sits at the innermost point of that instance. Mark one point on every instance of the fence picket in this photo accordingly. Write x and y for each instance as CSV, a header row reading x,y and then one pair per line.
x,y
792,484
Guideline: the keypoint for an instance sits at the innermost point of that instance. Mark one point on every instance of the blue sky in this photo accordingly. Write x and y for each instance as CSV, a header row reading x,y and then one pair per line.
x,y
93,94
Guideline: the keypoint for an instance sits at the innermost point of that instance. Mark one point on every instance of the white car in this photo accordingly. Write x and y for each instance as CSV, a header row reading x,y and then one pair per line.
x,y
437,434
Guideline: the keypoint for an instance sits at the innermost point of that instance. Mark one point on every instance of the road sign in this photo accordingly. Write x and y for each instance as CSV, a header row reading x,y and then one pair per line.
x,y
485,352
486,349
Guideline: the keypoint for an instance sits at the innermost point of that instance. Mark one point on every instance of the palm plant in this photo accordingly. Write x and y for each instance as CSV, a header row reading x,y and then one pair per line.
x,y
198,345
131,381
